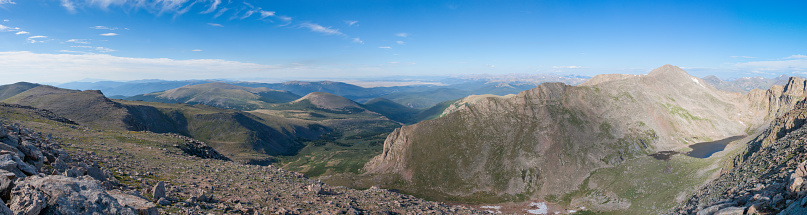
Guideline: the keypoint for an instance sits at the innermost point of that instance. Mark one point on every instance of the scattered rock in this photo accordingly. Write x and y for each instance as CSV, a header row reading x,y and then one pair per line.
x,y
162,201
158,191
65,195
315,188
139,204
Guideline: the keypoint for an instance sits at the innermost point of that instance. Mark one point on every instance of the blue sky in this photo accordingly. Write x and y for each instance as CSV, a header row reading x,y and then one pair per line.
x,y
68,40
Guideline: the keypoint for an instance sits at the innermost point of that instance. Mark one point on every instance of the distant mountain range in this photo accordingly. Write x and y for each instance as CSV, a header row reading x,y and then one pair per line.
x,y
746,84
413,96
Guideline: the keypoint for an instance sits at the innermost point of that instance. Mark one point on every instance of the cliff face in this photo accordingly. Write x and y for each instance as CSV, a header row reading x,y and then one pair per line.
x,y
546,141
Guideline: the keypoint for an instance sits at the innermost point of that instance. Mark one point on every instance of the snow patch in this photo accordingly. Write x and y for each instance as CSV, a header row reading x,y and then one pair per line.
x,y
541,208
696,81
495,208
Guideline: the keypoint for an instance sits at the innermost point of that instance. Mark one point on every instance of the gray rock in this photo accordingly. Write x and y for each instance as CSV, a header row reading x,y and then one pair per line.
x,y
139,204
65,195
96,173
709,211
13,164
3,208
13,149
5,188
27,200
75,172
730,211
60,165
163,201
158,191
315,188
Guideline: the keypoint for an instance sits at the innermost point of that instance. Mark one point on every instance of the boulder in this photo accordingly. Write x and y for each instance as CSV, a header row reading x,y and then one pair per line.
x,y
315,188
96,173
6,185
13,149
13,164
158,191
139,204
66,195
730,211
26,200
3,208
60,165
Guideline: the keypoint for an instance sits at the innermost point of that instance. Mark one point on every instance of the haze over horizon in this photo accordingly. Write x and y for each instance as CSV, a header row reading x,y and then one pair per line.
x,y
70,40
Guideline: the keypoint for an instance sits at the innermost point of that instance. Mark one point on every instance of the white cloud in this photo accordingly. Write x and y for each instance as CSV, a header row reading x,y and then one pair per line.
x,y
402,34
104,50
69,5
749,57
215,24
567,67
400,42
385,47
86,47
2,2
6,20
265,14
6,28
284,18
33,39
196,50
798,56
23,32
490,65
221,12
82,41
351,22
318,28
791,64
28,66
357,40
394,62
109,34
247,14
103,28
212,7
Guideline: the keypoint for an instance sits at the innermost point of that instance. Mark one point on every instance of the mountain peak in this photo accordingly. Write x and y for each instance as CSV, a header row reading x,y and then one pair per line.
x,y
328,101
668,69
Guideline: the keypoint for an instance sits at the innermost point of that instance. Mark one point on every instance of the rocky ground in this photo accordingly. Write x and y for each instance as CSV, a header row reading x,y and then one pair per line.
x,y
58,168
768,179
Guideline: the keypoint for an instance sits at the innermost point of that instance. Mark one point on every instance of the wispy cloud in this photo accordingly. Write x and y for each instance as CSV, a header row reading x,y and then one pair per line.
x,y
490,65
400,42
22,66
6,28
321,29
81,41
103,28
212,7
357,40
36,39
385,47
749,57
5,2
215,25
402,34
265,14
793,63
109,34
221,12
69,6
103,50
567,67
196,50
351,22
86,47
22,32
798,56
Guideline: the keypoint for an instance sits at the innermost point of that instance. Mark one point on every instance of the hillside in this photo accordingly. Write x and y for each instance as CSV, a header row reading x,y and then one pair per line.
x,y
546,142
221,95
130,88
58,168
7,91
243,136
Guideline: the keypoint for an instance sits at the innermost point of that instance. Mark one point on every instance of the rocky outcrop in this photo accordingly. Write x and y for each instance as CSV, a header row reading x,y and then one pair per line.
x,y
198,148
769,178
58,194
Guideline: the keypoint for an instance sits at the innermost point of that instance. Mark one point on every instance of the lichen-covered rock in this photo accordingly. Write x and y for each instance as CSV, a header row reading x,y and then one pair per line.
x,y
58,194
27,200
158,191
139,204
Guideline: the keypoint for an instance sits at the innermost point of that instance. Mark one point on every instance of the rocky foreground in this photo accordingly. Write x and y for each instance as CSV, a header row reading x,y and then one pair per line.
x,y
769,178
77,170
